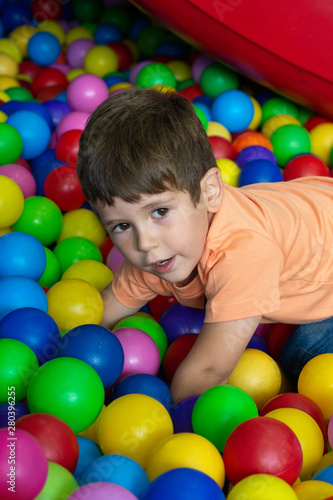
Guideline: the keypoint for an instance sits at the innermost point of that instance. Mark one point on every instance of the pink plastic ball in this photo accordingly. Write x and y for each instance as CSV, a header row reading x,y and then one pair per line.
x,y
102,491
29,462
75,120
21,176
86,92
77,51
114,259
330,431
141,354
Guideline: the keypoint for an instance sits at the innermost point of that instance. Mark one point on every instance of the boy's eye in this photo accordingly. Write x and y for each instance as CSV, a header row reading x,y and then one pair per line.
x,y
160,212
120,228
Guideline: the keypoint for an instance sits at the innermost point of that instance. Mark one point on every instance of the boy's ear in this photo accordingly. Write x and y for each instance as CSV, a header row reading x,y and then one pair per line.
x,y
211,188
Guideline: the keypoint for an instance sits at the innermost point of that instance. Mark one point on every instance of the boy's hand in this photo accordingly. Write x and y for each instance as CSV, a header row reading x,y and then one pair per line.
x,y
114,311
213,357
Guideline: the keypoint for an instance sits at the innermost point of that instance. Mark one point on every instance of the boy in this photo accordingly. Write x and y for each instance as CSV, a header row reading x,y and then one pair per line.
x,y
261,253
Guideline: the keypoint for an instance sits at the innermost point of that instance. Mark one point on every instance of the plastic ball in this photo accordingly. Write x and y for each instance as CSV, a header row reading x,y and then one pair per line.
x,y
257,374
179,320
230,171
222,148
95,273
155,73
60,483
74,302
17,292
43,9
217,78
41,218
11,201
52,271
159,304
9,46
17,411
63,187
28,471
256,171
278,106
322,141
53,27
184,483
77,51
330,431
117,469
307,490
256,120
83,223
255,152
149,326
186,450
176,353
43,48
256,447
11,144
35,328
67,147
100,60
102,491
22,177
114,259
308,434
34,131
98,347
17,365
233,109
144,383
69,389
276,122
316,381
141,354
74,249
21,254
88,451
200,63
251,138
181,414
289,141
219,410
138,423
57,110
56,437
325,474
8,65
86,92
74,120
261,487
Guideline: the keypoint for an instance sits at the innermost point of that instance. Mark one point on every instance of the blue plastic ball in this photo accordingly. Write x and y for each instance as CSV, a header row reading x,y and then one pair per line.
x,y
181,414
254,152
144,383
20,410
14,15
41,172
98,347
259,171
21,254
35,328
184,484
325,474
17,292
88,451
47,157
107,32
118,469
43,48
234,109
179,320
34,131
257,342
39,108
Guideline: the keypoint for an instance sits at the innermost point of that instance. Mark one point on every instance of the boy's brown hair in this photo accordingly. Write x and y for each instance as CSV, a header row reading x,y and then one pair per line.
x,y
142,141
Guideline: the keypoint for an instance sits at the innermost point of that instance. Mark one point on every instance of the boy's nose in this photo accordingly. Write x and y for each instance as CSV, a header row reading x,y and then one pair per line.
x,y
146,240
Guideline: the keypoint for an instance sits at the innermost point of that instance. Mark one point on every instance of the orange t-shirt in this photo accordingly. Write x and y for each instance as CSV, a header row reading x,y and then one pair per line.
x,y
268,252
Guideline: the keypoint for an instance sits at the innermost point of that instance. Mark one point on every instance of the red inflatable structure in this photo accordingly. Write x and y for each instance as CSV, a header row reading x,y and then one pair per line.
x,y
285,45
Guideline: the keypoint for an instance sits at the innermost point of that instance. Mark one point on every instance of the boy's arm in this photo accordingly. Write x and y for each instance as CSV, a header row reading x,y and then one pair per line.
x,y
114,311
213,357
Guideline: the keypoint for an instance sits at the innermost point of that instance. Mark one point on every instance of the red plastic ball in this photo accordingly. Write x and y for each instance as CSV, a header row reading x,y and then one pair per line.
x,y
315,120
176,353
191,92
49,93
124,54
262,445
222,148
63,187
67,147
23,163
47,9
29,68
304,166
58,440
105,248
48,77
278,336
159,304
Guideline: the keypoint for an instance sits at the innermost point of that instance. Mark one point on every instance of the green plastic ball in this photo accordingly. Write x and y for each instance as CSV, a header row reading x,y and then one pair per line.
x,y
185,83
18,363
201,115
155,74
74,249
87,10
278,106
149,326
19,94
11,144
288,141
69,389
217,78
52,273
219,410
60,483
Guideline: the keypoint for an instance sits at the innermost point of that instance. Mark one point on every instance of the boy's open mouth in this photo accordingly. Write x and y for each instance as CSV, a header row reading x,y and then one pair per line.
x,y
163,265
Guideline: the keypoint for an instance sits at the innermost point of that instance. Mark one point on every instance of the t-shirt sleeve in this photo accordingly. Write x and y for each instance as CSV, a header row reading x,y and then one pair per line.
x,y
244,278
134,288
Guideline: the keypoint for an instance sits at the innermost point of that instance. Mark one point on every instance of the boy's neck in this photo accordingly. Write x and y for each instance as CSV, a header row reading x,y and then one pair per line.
x,y
190,278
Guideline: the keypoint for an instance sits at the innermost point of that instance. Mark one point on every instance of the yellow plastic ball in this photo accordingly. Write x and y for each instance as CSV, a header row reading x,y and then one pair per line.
x,y
164,88
5,230
21,36
316,382
53,27
6,82
276,122
94,272
325,461
181,69
78,32
91,432
84,223
8,65
229,171
11,202
313,490
308,433
3,96
216,128
258,374
262,487
9,46
100,60
119,85
322,141
133,425
256,120
73,73
186,449
3,117
75,302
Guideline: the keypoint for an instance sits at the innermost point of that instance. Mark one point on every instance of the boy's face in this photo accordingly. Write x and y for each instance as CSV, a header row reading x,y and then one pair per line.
x,y
163,234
